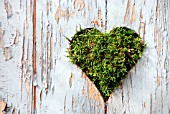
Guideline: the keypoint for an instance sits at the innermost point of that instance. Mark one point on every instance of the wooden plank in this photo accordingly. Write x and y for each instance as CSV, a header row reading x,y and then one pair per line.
x,y
16,55
146,90
63,89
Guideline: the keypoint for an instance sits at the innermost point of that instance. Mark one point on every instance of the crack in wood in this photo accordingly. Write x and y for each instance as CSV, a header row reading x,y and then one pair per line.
x,y
106,11
1,37
150,103
34,56
65,104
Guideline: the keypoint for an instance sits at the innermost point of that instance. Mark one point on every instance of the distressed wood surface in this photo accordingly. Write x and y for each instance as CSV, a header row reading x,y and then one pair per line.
x,y
36,77
147,88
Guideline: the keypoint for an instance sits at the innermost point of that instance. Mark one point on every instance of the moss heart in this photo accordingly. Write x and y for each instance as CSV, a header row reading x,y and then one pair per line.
x,y
106,58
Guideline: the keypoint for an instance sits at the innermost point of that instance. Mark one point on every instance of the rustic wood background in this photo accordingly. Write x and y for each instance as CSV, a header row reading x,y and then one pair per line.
x,y
36,77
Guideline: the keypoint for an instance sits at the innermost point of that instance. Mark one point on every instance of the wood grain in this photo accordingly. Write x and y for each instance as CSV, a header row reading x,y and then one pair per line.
x,y
33,51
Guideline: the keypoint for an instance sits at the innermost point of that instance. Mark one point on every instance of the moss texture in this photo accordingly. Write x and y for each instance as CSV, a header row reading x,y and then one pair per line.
x,y
106,58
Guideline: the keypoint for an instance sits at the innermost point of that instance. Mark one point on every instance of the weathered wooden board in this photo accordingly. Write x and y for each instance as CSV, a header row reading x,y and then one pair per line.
x,y
35,59
65,89
16,55
147,88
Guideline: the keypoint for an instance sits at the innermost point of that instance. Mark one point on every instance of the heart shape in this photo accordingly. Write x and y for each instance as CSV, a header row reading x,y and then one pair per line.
x,y
106,58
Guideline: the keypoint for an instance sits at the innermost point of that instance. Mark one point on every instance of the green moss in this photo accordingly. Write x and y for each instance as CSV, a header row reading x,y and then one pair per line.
x,y
106,58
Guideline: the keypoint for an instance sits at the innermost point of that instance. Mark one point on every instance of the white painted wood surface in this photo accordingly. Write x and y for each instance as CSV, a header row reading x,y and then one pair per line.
x,y
61,87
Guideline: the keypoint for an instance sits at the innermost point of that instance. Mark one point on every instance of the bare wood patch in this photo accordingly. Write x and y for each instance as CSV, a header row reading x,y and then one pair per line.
x,y
8,8
159,43
99,14
7,53
142,29
2,106
151,104
71,79
27,86
83,90
133,14
16,39
79,4
158,81
98,22
62,13
127,11
141,15
93,93
144,104
73,103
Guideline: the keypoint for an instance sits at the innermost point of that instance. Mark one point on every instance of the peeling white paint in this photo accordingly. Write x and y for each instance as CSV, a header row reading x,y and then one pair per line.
x,y
61,86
